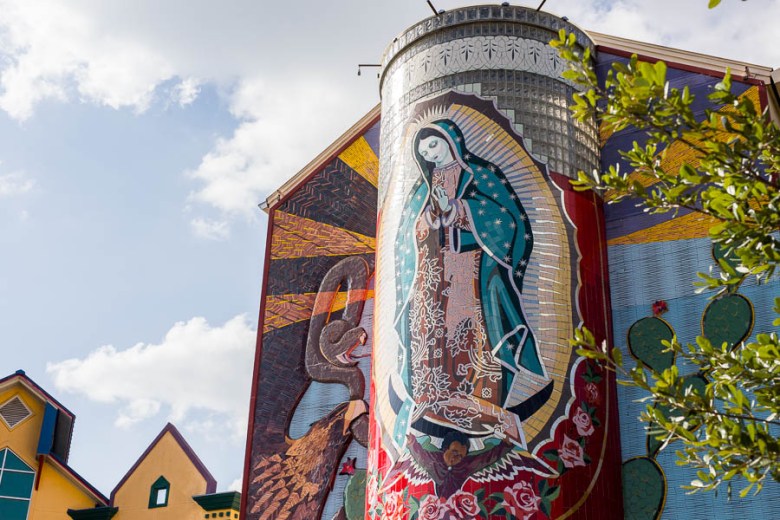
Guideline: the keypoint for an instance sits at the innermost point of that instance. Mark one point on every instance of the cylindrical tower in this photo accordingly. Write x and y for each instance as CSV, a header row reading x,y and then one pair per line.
x,y
486,261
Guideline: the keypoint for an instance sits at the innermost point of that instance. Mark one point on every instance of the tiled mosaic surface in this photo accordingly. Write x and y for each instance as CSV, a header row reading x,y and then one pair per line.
x,y
304,460
483,20
504,51
443,382
311,396
654,258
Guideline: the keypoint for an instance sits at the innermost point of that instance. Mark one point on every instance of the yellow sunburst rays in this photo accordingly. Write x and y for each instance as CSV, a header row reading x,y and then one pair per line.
x,y
692,225
360,157
298,237
678,152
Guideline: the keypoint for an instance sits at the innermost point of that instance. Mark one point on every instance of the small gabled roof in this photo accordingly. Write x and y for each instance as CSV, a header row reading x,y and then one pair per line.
x,y
326,156
62,431
21,377
211,483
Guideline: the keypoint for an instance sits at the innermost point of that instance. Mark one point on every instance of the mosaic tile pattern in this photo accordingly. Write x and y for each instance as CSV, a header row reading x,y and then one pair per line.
x,y
655,258
503,51
550,424
307,445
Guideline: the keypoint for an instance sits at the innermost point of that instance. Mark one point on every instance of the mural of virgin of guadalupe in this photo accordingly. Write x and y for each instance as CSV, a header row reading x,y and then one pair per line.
x,y
471,362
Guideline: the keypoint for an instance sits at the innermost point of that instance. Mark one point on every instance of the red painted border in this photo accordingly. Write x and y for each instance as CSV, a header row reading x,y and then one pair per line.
x,y
211,483
258,353
585,211
676,65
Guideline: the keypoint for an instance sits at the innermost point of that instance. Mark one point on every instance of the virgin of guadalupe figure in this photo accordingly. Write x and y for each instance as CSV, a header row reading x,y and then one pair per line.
x,y
470,362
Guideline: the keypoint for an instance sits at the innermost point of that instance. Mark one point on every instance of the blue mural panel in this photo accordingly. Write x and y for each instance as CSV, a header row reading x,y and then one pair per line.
x,y
653,261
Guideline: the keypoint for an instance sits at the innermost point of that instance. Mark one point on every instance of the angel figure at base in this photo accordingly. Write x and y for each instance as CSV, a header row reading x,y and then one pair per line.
x,y
453,465
450,467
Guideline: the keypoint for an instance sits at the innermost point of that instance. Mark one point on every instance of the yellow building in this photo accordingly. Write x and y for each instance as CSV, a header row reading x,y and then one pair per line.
x,y
168,482
161,484
36,482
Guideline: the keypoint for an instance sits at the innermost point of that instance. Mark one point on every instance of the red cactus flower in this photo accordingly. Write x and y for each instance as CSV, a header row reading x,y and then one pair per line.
x,y
659,307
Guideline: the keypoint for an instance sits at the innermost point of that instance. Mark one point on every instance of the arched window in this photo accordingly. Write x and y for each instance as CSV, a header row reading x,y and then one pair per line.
x,y
158,496
16,484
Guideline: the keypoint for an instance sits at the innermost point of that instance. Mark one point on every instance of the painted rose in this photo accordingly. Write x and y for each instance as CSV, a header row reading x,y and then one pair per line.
x,y
592,393
394,506
432,508
521,501
463,505
571,453
583,422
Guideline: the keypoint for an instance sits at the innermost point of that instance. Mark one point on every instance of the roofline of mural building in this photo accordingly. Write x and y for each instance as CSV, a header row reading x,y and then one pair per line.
x,y
739,69
63,467
326,156
211,483
763,75
35,388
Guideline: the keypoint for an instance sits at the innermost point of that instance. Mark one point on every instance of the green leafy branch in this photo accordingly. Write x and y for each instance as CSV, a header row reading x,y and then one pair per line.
x,y
734,179
728,425
727,429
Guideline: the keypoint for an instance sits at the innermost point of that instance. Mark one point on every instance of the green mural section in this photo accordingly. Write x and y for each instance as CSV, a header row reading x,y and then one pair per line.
x,y
644,339
728,319
644,482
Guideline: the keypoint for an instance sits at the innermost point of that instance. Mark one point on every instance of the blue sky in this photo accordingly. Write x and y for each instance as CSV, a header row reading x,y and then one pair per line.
x,y
136,139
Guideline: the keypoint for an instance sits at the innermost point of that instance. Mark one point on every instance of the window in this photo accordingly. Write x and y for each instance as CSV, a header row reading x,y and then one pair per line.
x,y
16,483
14,411
158,496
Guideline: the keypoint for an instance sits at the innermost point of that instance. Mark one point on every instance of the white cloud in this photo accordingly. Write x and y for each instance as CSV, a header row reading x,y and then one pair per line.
x,y
729,31
186,92
136,411
236,485
16,183
210,229
53,50
283,126
196,367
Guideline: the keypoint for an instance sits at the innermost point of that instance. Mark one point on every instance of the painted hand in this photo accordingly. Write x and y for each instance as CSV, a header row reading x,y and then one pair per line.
x,y
441,199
